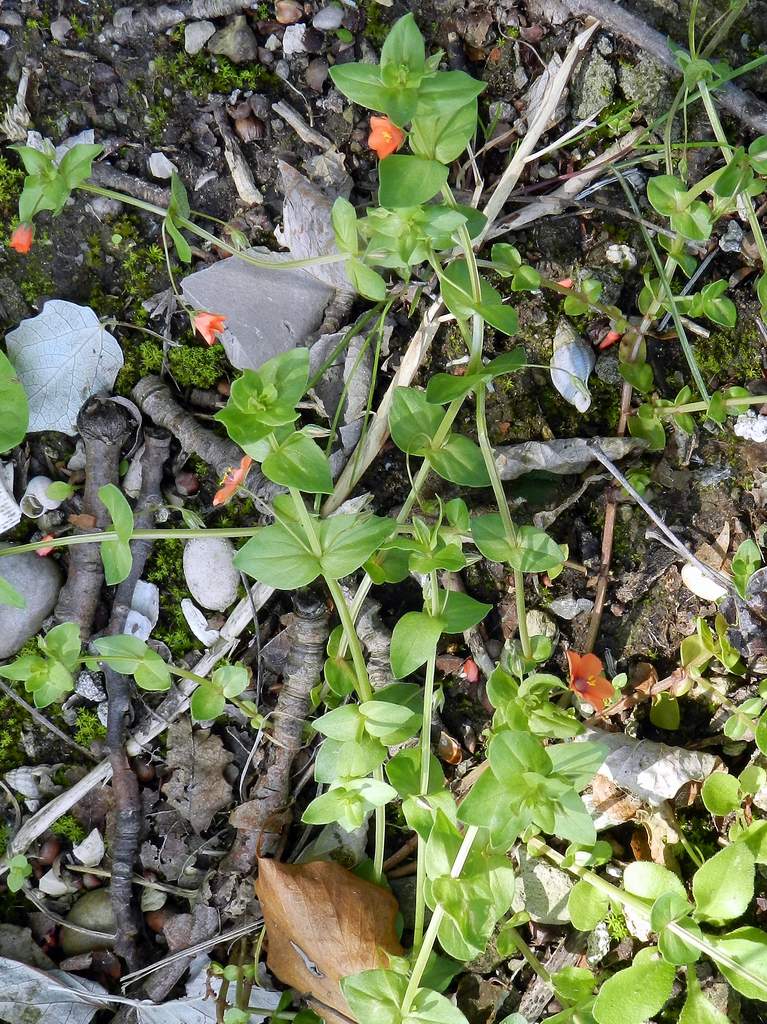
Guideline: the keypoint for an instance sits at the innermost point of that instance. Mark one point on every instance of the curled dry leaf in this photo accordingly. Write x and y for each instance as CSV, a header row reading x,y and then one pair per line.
x,y
197,788
322,924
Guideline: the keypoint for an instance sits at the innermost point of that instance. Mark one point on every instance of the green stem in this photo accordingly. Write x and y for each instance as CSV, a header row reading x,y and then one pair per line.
x,y
184,222
724,145
733,403
423,789
436,919
503,507
365,692
527,953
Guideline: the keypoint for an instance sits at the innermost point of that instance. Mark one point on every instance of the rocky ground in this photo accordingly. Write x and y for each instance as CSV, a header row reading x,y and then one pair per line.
x,y
224,100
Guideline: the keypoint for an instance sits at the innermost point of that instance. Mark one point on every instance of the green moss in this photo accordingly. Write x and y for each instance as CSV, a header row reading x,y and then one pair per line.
x,y
37,281
13,718
616,924
201,74
377,23
11,180
69,828
80,30
731,355
191,365
166,569
88,727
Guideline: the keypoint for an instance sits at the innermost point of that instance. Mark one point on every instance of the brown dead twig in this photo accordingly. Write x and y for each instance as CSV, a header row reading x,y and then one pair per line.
x,y
261,822
750,110
128,819
104,426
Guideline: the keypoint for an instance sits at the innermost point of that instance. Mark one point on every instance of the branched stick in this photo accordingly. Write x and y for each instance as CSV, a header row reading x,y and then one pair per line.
x,y
261,822
104,427
128,820
750,110
154,399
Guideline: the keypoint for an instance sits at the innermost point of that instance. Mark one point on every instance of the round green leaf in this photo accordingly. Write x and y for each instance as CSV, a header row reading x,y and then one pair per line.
x,y
721,793
635,994
724,886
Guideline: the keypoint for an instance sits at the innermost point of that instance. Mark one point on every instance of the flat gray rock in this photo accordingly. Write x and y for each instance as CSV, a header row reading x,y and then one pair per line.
x,y
38,580
542,890
235,41
210,573
267,311
196,35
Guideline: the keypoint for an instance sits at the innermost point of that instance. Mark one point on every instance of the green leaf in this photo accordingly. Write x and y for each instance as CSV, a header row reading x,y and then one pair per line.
x,y
375,995
503,318
117,559
9,595
207,703
413,421
119,510
460,460
366,281
721,793
123,653
586,906
755,838
360,83
747,947
664,711
757,154
446,92
348,541
299,462
339,760
182,247
724,886
152,674
648,426
413,642
35,161
697,1009
344,218
526,279
649,880
63,643
745,562
574,984
76,164
15,406
460,611
431,1008
409,180
277,557
532,550
404,47
695,222
639,375
666,193
344,723
446,387
179,197
444,138
635,994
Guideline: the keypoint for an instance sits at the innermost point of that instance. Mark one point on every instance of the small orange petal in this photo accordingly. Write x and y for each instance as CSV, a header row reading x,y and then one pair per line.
x,y
385,137
232,481
566,282
42,552
609,339
209,325
21,239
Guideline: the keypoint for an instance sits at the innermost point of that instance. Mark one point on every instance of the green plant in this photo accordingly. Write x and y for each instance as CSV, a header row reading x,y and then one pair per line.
x,y
529,789
19,870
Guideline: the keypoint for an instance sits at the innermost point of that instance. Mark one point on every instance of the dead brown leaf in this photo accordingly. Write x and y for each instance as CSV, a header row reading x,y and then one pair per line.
x,y
322,924
197,788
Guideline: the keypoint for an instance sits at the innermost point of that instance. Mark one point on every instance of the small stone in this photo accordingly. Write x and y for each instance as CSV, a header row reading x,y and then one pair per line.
x,y
93,910
542,890
621,255
60,29
328,18
593,87
316,74
273,43
236,41
500,110
209,571
748,426
288,12
569,607
160,166
541,624
282,70
196,35
607,369
38,580
293,40
88,687
732,239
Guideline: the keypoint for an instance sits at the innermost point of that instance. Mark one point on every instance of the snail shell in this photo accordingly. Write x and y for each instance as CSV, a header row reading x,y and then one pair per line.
x,y
35,501
571,365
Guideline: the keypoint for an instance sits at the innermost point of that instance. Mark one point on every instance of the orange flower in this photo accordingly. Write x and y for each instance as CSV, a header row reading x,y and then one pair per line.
x,y
587,679
566,282
609,339
385,137
209,325
233,479
42,552
21,239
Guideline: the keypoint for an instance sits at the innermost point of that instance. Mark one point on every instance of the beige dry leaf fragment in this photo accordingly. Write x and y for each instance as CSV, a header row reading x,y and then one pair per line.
x,y
197,788
322,924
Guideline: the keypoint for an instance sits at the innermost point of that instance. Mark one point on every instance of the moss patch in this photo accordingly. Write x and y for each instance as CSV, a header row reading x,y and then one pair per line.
x,y
166,569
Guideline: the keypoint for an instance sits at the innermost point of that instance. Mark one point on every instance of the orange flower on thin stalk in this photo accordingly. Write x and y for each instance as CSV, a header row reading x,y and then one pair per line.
x,y
21,239
587,679
233,479
209,325
385,137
